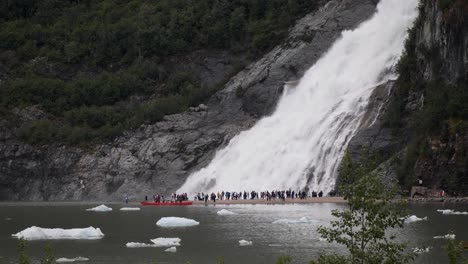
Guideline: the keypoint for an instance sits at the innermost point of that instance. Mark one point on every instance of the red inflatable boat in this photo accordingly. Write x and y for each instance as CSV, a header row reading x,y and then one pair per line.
x,y
167,203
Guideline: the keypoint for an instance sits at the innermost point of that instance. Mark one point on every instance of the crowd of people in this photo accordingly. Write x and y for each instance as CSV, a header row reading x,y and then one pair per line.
x,y
266,195
174,198
245,195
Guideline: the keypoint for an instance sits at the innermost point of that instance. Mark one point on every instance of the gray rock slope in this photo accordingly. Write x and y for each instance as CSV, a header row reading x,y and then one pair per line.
x,y
158,158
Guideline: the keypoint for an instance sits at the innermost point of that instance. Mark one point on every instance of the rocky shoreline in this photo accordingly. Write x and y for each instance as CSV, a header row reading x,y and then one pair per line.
x,y
439,200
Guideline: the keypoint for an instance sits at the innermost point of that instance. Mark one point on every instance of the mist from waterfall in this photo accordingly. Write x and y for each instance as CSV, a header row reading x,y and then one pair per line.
x,y
302,142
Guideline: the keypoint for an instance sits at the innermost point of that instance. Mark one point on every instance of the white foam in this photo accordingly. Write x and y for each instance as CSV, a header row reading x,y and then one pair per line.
x,y
448,236
302,220
166,241
60,260
130,209
171,249
100,208
413,218
38,233
451,212
176,222
417,250
245,243
225,212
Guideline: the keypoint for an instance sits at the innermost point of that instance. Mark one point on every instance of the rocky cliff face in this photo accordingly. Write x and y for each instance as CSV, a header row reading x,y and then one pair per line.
x,y
157,158
438,49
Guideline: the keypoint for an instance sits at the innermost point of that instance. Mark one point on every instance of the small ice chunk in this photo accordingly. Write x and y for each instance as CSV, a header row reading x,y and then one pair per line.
x,y
451,212
139,245
171,249
413,218
60,260
448,236
321,239
166,241
225,212
157,242
130,209
8,219
245,243
100,208
176,222
38,233
302,220
417,250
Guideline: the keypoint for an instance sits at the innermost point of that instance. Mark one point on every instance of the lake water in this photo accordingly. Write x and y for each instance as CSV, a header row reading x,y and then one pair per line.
x,y
215,236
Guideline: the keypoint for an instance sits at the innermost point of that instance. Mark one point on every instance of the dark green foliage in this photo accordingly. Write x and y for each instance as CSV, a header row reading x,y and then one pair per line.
x,y
455,252
284,260
364,227
48,255
23,258
84,62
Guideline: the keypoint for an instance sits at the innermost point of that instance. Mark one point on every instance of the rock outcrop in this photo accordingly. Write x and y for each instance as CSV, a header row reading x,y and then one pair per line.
x,y
157,158
441,55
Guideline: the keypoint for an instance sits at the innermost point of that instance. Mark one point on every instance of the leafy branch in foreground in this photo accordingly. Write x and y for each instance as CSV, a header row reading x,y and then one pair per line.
x,y
363,227
455,252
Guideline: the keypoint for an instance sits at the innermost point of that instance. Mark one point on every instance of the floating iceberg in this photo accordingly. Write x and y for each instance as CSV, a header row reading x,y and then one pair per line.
x,y
451,212
38,233
166,241
302,220
157,242
225,212
245,243
100,208
448,236
176,222
130,209
171,249
417,250
413,218
139,245
60,260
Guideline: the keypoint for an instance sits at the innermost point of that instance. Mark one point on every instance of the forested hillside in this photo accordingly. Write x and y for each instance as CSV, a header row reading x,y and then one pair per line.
x,y
93,69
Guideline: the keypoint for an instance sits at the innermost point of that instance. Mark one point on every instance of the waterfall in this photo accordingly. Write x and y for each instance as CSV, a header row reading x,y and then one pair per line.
x,y
302,142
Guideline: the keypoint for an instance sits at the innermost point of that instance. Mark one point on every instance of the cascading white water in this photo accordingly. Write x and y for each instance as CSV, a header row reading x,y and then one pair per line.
x,y
302,142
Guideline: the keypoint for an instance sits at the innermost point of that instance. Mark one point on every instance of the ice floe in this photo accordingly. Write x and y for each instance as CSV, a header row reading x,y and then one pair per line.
x,y
139,245
100,208
245,243
130,209
225,212
157,242
301,220
63,260
166,241
176,222
448,236
451,212
171,249
417,250
38,233
413,218
321,239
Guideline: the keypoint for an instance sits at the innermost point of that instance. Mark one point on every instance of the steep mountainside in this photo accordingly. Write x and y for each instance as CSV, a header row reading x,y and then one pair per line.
x,y
157,157
422,131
